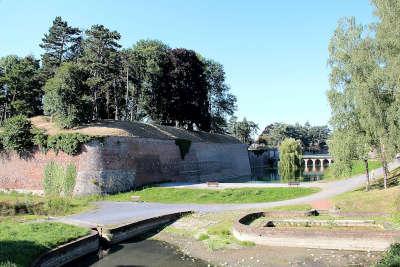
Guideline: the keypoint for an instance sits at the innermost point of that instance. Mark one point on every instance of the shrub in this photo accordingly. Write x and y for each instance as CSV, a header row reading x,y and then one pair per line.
x,y
391,257
59,181
40,139
184,146
69,143
16,135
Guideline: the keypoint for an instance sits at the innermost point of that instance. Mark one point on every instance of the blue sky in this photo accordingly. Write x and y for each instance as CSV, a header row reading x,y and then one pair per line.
x,y
274,52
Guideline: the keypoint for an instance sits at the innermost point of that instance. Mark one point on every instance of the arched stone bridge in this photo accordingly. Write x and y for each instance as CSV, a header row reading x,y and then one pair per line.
x,y
317,160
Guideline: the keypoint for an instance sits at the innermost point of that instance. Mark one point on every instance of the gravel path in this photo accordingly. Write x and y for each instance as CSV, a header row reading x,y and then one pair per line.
x,y
116,213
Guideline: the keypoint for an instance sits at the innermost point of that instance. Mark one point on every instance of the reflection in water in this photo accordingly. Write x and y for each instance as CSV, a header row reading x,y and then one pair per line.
x,y
266,174
141,253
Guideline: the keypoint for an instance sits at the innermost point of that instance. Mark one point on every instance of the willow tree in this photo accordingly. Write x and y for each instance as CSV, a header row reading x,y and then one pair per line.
x,y
289,158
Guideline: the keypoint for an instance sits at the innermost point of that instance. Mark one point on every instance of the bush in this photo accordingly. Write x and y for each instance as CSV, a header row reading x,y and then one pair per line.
x,y
391,257
59,181
69,143
16,135
40,139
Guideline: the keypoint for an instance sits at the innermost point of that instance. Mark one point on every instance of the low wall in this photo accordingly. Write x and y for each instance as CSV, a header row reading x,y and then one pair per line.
x,y
352,239
122,163
69,252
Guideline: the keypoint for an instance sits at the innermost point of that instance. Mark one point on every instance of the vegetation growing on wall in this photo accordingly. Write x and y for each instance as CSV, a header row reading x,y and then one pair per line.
x,y
59,181
69,143
184,146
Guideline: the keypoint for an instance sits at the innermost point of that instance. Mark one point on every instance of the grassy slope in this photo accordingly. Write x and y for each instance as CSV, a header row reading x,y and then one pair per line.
x,y
377,200
21,243
208,196
357,168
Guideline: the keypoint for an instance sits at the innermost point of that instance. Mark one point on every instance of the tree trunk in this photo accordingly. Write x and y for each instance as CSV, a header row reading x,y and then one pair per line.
x,y
384,166
366,174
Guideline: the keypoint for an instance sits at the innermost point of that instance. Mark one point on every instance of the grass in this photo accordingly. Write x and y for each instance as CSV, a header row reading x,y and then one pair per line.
x,y
358,167
209,196
13,203
376,200
21,243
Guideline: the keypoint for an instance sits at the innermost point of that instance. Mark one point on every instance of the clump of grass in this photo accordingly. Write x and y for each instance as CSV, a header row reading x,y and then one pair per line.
x,y
391,257
358,167
21,243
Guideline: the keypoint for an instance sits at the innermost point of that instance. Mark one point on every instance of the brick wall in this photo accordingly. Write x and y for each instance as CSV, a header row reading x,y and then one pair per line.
x,y
122,163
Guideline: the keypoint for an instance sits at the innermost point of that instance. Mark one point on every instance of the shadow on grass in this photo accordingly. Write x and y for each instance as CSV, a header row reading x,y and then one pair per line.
x,y
19,253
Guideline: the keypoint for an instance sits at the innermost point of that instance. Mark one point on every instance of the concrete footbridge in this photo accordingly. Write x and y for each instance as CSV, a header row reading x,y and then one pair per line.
x,y
314,160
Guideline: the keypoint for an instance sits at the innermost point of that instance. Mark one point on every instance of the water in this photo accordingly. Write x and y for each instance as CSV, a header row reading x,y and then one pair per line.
x,y
271,175
141,253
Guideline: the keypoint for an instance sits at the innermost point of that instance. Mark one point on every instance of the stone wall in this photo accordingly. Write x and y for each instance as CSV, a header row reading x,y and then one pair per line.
x,y
122,163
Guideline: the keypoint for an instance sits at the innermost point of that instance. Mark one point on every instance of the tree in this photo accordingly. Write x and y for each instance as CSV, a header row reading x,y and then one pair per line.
x,y
62,43
361,99
149,64
187,96
289,158
100,58
20,87
242,130
221,102
313,138
16,134
67,96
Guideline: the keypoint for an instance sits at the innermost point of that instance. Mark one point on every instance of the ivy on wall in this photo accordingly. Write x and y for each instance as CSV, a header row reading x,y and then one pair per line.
x,y
184,146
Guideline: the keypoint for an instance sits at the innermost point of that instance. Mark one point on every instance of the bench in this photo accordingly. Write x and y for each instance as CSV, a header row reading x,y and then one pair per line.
x,y
212,183
291,183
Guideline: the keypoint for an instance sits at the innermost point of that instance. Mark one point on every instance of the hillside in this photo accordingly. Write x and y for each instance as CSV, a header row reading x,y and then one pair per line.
x,y
133,129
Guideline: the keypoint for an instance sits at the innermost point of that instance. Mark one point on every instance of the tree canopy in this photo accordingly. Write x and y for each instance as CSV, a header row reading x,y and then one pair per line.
x,y
89,77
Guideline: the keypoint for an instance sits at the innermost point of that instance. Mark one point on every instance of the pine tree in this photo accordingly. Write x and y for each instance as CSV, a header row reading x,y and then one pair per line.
x,y
62,43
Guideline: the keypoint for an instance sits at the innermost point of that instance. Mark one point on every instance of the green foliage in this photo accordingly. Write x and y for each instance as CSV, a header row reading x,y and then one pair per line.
x,y
16,134
184,146
206,196
289,158
40,139
22,243
391,258
59,181
62,43
313,138
242,130
20,86
66,96
69,143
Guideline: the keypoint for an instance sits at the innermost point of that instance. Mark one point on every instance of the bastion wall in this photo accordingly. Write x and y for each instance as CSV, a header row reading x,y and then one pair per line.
x,y
122,163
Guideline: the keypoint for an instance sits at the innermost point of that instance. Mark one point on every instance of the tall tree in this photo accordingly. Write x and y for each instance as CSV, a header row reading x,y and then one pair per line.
x,y
67,96
62,43
221,102
149,64
188,92
20,86
360,92
242,130
100,55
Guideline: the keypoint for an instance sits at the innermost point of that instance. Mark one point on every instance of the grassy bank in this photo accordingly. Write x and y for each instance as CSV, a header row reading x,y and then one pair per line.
x,y
21,243
376,200
358,167
12,204
208,196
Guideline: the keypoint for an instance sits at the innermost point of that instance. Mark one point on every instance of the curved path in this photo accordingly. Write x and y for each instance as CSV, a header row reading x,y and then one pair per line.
x,y
116,213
